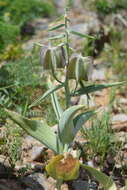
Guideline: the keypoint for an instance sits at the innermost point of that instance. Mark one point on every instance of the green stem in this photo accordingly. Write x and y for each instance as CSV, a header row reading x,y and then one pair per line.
x,y
65,148
67,90
58,185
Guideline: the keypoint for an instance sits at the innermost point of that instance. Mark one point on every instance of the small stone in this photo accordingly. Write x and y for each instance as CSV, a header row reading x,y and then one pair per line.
x,y
80,185
36,152
31,149
3,187
119,118
98,74
93,186
36,181
9,184
123,101
85,101
90,163
3,171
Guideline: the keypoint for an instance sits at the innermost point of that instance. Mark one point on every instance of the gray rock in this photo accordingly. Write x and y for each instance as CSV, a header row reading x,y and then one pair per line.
x,y
123,101
36,152
9,184
60,4
84,100
41,24
3,187
93,186
90,163
80,185
4,167
83,28
30,142
36,181
98,74
119,118
3,170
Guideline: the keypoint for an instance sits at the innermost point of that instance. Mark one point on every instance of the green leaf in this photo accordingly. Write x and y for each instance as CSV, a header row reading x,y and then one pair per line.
x,y
56,27
125,188
37,129
95,87
56,105
57,108
57,37
41,45
81,35
81,119
66,126
103,179
6,87
47,93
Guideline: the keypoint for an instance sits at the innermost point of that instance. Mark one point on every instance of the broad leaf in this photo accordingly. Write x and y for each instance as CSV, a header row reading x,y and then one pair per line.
x,y
95,87
103,179
81,119
47,93
66,126
37,129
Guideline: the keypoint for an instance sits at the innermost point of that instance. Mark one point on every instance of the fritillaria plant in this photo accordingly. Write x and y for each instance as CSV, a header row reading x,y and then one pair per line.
x,y
65,166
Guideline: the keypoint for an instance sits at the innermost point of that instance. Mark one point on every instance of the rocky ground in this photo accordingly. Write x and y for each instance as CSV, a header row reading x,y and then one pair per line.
x,y
34,154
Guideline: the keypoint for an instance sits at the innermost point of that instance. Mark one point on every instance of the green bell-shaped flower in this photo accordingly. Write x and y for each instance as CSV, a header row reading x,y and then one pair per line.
x,y
63,167
80,68
52,57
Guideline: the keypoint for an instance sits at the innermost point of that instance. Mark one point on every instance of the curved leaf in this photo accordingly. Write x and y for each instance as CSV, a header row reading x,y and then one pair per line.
x,y
103,179
95,87
66,126
37,129
81,119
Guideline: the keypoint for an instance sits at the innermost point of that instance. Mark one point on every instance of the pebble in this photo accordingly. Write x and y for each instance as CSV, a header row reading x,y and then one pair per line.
x,y
80,185
119,118
98,74
85,101
36,153
36,181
